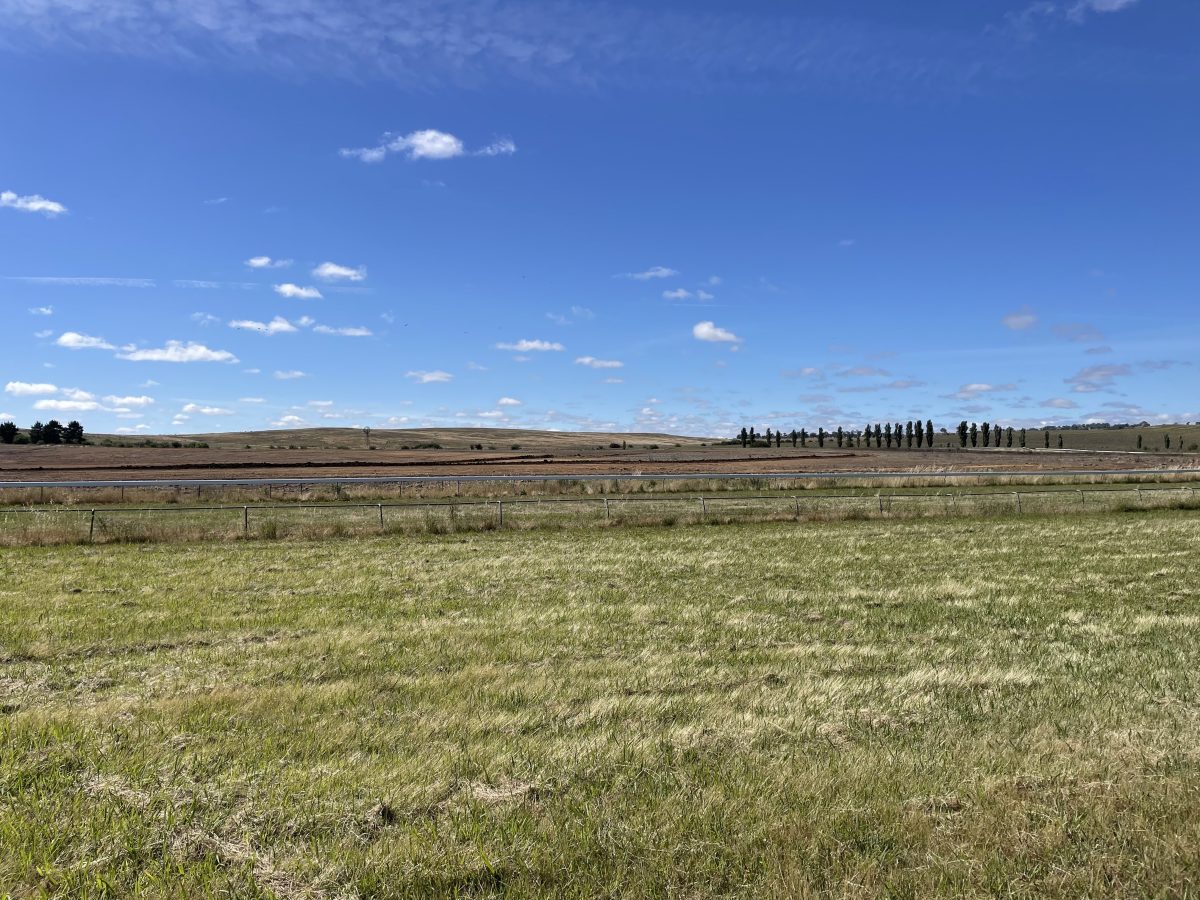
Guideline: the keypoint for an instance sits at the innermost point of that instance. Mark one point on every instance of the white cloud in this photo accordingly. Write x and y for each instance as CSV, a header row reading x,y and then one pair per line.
x,y
203,318
525,346
652,272
196,283
705,295
714,280
26,389
707,331
77,394
498,147
677,294
277,325
216,201
266,262
1021,320
41,310
178,352
295,291
508,401
289,422
136,429
429,377
593,363
73,340
330,271
84,280
251,400
1097,378
290,374
31,203
138,401
44,333
67,405
428,143
350,331
195,409
971,391
1060,403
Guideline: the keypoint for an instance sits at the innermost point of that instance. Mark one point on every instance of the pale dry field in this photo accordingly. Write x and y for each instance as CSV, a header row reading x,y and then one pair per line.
x,y
912,708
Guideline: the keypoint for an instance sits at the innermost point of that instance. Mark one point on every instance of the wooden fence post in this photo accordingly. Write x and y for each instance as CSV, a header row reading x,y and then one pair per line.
x,y
92,527
381,515
246,520
500,513
1017,494
703,509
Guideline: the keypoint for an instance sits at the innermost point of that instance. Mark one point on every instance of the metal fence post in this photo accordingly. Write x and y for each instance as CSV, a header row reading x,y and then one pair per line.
x,y
880,498
92,527
500,513
380,515
246,520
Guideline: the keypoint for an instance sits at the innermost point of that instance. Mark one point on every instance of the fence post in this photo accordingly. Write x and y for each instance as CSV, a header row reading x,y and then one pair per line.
x,y
880,498
607,514
92,527
1017,494
500,513
246,520
703,509
380,515
1082,499
797,499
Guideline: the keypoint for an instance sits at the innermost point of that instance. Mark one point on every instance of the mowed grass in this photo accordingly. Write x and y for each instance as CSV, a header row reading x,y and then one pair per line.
x,y
913,708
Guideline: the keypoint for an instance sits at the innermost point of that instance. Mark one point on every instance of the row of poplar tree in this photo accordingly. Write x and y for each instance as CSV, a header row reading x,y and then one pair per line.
x,y
900,435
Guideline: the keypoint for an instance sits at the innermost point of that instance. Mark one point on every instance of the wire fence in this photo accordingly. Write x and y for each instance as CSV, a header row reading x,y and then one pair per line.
x,y
49,525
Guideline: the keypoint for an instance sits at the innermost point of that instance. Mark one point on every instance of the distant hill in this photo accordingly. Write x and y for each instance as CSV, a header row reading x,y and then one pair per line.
x,y
500,439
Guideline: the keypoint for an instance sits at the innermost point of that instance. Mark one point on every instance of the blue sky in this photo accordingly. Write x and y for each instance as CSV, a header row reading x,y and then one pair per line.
x,y
672,216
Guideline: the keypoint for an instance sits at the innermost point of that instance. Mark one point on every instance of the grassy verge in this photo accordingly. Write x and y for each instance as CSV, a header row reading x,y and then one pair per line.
x,y
918,708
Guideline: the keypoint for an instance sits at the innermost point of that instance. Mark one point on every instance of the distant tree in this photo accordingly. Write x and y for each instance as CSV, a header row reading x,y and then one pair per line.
x,y
985,432
53,432
768,437
928,434
794,436
778,437
962,433
73,433
753,436
803,437
1060,440
1022,437
974,435
8,432
744,436
1139,442
920,435
1166,442
839,435
996,435
35,432
908,434
887,435
1047,438
878,436
820,437
1009,437
898,429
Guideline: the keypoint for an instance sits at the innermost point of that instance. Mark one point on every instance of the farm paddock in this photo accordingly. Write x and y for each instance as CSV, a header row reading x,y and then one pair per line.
x,y
922,708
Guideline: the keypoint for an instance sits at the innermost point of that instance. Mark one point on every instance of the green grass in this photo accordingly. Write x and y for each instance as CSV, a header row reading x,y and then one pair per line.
x,y
911,708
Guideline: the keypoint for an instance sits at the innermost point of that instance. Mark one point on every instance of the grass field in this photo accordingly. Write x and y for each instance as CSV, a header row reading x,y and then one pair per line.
x,y
913,708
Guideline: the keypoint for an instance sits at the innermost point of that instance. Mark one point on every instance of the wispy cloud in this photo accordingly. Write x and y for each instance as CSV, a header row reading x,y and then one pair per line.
x,y
178,352
83,280
428,143
592,363
651,273
347,331
1097,378
434,377
32,203
277,325
971,391
330,271
525,346
266,262
297,292
1021,320
289,374
677,294
73,340
29,389
41,310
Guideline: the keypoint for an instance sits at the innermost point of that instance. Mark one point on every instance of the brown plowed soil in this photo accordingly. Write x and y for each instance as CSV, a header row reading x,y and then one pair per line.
x,y
41,463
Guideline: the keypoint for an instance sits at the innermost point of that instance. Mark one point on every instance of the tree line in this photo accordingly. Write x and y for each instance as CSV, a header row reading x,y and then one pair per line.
x,y
899,435
52,432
